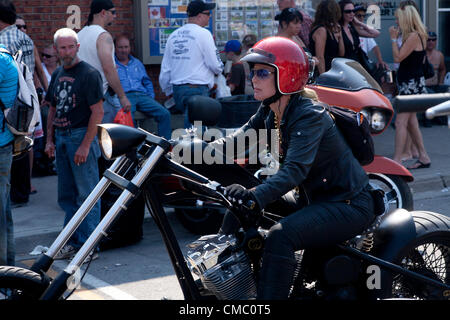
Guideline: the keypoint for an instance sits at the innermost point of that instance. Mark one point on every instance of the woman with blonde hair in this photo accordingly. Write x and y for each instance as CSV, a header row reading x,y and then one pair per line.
x,y
410,78
309,148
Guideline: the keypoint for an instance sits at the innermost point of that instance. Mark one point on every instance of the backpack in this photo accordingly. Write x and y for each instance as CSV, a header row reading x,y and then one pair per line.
x,y
356,131
23,117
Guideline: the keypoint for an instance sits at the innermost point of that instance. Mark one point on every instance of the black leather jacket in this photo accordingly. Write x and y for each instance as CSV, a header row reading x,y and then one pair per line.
x,y
316,156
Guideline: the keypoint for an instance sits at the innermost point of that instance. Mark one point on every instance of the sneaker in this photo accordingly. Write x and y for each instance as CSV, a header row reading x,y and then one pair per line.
x,y
15,205
66,252
91,257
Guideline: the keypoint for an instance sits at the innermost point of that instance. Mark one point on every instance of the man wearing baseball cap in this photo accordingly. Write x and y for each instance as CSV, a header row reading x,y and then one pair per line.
x,y
236,79
191,58
436,58
434,84
93,36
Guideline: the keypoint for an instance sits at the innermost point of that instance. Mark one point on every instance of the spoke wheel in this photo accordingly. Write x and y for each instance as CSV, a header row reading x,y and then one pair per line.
x,y
430,259
428,254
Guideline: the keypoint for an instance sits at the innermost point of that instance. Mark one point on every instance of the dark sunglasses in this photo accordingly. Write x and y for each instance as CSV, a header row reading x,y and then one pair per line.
x,y
432,39
21,26
44,55
208,13
260,73
113,11
349,11
361,16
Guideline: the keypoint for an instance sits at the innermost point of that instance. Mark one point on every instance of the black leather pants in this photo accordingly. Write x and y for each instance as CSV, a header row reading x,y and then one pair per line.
x,y
319,224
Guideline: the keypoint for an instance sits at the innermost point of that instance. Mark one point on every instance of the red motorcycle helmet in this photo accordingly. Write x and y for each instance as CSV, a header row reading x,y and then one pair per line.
x,y
289,60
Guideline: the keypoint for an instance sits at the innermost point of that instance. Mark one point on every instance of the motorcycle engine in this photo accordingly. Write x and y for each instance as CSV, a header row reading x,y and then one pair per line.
x,y
222,267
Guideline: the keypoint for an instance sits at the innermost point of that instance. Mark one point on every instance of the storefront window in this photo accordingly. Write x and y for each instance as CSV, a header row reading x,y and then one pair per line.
x,y
233,19
443,29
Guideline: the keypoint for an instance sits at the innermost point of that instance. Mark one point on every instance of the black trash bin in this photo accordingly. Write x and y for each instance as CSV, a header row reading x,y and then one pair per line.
x,y
237,110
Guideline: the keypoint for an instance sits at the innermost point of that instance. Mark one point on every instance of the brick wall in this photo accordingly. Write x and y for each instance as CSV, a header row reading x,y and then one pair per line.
x,y
44,17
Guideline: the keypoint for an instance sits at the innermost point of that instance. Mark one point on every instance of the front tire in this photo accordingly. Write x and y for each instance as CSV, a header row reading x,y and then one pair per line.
x,y
428,254
387,182
20,284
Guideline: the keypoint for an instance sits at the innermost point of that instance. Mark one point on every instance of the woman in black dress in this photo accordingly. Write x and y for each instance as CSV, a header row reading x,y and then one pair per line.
x,y
410,78
352,30
325,39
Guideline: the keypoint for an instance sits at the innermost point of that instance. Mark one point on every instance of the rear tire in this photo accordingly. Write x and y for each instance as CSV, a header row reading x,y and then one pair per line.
x,y
20,284
200,221
428,254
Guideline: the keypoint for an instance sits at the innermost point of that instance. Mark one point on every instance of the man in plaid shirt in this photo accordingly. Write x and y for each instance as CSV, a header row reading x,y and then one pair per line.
x,y
307,21
14,39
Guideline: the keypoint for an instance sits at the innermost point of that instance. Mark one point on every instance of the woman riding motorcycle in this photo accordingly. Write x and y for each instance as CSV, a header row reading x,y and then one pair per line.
x,y
320,189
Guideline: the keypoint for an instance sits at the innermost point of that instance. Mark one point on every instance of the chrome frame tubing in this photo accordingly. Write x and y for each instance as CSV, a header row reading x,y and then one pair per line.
x,y
83,211
109,218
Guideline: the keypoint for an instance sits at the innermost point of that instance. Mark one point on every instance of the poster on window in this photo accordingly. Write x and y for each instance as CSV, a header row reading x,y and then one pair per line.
x,y
231,19
164,17
244,17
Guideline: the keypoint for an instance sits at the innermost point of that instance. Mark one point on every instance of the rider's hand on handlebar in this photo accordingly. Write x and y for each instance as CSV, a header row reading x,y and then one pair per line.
x,y
239,195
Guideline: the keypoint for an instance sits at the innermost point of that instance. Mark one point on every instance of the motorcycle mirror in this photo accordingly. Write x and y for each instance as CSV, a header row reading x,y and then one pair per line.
x,y
204,109
441,109
418,102
117,139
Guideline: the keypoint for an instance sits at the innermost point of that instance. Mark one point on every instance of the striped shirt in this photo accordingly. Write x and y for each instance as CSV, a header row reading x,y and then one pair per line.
x,y
8,92
15,40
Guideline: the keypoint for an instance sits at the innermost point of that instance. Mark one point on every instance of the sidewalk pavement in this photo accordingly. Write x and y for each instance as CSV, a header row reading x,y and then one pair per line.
x,y
42,215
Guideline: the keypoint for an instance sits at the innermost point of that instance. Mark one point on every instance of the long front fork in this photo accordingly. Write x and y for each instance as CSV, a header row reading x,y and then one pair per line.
x,y
45,261
62,281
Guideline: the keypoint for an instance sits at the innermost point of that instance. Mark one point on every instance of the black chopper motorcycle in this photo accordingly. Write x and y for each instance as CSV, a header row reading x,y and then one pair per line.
x,y
402,255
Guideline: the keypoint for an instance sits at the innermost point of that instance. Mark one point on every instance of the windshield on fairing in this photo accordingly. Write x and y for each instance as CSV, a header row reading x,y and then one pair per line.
x,y
347,74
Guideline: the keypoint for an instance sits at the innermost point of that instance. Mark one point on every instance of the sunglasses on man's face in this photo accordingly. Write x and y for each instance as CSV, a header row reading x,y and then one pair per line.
x,y
432,39
113,11
360,16
260,73
208,13
21,26
47,56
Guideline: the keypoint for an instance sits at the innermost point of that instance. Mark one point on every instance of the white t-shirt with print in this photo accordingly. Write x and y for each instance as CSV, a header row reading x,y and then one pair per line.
x,y
190,56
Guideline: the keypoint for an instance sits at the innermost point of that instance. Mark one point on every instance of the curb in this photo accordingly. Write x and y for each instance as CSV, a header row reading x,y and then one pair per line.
x,y
431,182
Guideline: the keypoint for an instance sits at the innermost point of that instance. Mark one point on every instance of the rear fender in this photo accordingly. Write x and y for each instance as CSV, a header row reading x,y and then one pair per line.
x,y
396,229
388,166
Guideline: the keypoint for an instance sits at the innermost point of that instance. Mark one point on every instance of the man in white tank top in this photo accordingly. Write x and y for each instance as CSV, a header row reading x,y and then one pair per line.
x,y
97,49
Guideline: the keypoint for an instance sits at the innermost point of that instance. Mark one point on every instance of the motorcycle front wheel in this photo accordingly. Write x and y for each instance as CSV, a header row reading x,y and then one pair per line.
x,y
20,284
387,182
428,254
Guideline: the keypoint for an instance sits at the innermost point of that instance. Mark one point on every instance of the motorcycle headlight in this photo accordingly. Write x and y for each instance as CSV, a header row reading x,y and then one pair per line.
x,y
378,121
116,139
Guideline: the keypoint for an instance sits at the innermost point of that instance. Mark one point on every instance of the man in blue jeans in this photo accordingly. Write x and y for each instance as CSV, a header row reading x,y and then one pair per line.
x,y
8,91
75,95
139,88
